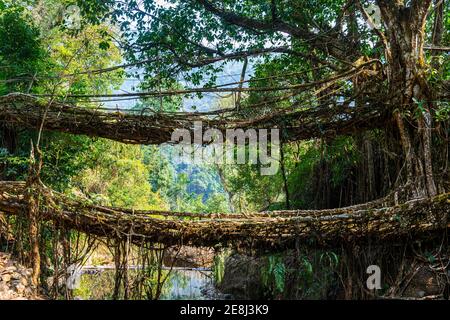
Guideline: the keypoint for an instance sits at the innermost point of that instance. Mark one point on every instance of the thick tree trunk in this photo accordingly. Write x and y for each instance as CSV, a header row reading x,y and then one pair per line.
x,y
230,194
409,92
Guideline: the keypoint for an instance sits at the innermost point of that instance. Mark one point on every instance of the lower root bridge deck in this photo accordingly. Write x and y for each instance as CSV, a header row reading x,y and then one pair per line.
x,y
279,229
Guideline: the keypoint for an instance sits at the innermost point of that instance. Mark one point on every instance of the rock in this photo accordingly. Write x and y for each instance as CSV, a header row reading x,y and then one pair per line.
x,y
241,279
190,257
20,288
29,292
16,276
15,280
424,283
3,287
6,277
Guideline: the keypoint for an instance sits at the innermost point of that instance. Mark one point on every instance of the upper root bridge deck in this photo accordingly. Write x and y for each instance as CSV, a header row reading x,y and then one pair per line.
x,y
280,229
144,127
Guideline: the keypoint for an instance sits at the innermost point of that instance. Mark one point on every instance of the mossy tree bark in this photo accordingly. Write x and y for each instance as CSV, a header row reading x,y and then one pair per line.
x,y
409,92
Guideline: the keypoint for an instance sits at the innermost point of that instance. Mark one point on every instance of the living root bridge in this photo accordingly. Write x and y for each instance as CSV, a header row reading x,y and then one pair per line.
x,y
282,229
144,127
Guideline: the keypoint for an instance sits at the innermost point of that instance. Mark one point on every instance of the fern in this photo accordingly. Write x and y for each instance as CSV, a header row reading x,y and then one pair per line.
x,y
273,275
219,265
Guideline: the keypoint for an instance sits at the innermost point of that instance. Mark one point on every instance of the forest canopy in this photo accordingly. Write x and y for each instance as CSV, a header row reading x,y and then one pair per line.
x,y
91,92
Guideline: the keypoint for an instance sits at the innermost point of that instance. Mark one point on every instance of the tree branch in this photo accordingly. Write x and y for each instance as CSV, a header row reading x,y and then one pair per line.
x,y
251,53
330,44
366,16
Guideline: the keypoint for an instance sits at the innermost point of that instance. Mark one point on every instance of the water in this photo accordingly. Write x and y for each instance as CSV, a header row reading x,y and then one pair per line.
x,y
188,284
180,284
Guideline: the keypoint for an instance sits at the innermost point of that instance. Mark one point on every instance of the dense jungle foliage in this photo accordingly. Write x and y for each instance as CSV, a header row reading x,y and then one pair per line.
x,y
47,48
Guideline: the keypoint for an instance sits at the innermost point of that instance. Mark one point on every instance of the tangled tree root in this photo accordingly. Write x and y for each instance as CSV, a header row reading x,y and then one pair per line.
x,y
420,218
142,127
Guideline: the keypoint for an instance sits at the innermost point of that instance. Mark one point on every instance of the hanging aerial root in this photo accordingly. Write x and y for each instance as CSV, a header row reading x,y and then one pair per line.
x,y
416,219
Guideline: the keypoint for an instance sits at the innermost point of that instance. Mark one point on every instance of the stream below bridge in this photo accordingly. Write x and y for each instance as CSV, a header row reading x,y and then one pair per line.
x,y
97,283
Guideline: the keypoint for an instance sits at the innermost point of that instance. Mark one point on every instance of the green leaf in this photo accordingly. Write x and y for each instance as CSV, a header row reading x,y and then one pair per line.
x,y
104,45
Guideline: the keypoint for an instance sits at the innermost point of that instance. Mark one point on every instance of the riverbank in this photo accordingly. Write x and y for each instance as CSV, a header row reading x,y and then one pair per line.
x,y
15,280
